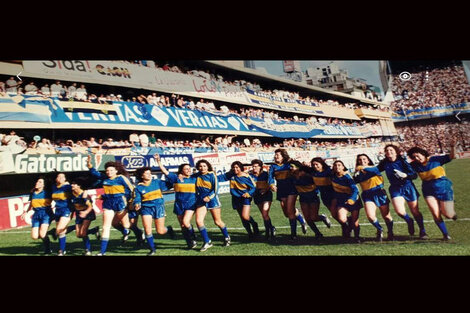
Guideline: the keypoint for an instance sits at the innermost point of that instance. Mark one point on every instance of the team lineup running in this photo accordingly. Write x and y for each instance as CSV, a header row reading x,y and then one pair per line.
x,y
196,194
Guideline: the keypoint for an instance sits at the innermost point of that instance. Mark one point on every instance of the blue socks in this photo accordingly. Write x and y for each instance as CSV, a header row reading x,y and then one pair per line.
x,y
293,226
314,227
62,240
442,227
246,225
137,231
406,217
377,225
93,231
86,241
356,230
104,245
389,226
150,241
47,243
70,228
300,218
420,222
204,234
268,225
225,231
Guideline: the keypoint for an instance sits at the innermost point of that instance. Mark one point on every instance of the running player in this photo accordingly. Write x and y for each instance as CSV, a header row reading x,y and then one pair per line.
x,y
84,213
308,196
436,188
400,175
207,199
347,199
118,192
40,200
373,194
61,194
149,201
242,188
285,190
322,178
263,196
184,185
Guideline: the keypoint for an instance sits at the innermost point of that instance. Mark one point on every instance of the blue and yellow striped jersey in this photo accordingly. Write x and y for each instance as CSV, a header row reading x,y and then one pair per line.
x,y
40,200
281,173
239,185
305,184
345,186
61,195
116,187
401,165
81,202
206,185
432,169
370,179
322,179
185,191
150,194
262,181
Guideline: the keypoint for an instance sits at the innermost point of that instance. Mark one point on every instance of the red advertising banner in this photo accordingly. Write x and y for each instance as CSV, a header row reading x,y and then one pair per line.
x,y
12,208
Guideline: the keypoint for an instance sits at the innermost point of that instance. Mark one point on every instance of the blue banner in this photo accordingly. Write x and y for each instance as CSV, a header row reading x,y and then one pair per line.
x,y
431,112
133,162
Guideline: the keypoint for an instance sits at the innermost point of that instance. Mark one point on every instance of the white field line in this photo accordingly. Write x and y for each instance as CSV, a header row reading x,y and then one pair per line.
x,y
319,224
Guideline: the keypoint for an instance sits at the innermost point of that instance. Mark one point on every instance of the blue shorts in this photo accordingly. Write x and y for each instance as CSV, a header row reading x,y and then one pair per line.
x,y
441,189
239,202
341,203
378,197
117,204
156,211
133,214
327,197
266,197
213,203
284,193
61,212
89,217
42,217
180,207
309,197
407,191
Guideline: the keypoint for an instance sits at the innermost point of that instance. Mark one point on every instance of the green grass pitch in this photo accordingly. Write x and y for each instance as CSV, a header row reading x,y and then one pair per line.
x,y
17,242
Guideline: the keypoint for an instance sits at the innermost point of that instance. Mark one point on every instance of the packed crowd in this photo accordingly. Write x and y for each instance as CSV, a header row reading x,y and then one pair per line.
x,y
435,137
78,92
430,88
13,142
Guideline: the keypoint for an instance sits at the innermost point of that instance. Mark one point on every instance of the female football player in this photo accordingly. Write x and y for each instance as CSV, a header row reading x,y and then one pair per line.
x,y
149,201
400,175
347,199
373,194
207,199
40,200
118,191
436,188
285,190
263,196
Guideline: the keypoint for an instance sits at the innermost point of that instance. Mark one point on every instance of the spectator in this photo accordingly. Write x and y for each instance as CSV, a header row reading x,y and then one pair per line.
x,y
72,91
31,89
12,85
45,90
81,93
44,144
55,89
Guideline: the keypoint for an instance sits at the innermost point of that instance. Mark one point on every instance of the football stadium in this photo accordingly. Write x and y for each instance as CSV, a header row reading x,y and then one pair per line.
x,y
217,158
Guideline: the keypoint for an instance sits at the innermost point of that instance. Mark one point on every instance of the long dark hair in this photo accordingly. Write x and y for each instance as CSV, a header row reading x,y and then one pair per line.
x,y
321,161
140,171
209,166
417,150
284,154
240,165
